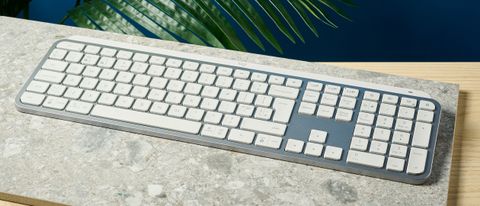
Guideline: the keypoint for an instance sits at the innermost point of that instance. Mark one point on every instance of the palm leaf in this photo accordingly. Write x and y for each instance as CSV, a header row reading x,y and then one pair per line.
x,y
209,22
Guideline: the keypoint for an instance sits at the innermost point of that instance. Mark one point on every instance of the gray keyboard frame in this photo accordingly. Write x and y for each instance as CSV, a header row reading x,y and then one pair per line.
x,y
339,134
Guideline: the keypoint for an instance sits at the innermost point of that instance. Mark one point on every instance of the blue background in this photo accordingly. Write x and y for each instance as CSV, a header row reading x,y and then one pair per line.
x,y
382,30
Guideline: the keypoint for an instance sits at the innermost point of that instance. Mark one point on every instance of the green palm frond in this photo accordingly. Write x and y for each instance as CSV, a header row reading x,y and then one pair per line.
x,y
208,22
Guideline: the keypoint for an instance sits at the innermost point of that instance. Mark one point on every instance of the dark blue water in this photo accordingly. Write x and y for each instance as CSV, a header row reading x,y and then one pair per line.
x,y
382,30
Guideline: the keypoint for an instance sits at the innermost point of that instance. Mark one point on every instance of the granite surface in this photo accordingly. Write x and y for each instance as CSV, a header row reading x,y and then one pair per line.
x,y
86,165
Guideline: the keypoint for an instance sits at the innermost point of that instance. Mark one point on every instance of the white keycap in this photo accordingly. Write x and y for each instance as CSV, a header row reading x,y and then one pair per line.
x,y
206,79
209,104
58,54
387,109
417,161
384,122
49,76
373,96
73,93
157,95
425,116
313,149
263,113
381,134
108,52
241,74
241,85
242,136
74,57
108,74
107,99
92,49
426,105
177,86
314,86
124,77
347,103
190,101
70,46
399,151
159,108
268,141
329,99
359,144
406,113
75,68
245,110
283,110
263,101
390,99
90,59
159,83
333,153
124,54
295,146
263,126
56,90
172,73
124,102
231,120
259,77
307,108
296,83
283,92
212,117
122,65
227,107
153,120
408,102
155,70
401,137
140,57
259,87
274,79
362,131
214,131
188,65
421,135
79,107
141,80
369,106
139,67
311,96
190,76
395,164
91,71
344,115
332,89
207,68
224,82
55,65
365,158
72,80
378,147
32,98
139,92
171,62
174,98
245,97
122,89
158,60
325,111
178,111
55,102
38,87
350,92
365,118
106,62
318,136
224,71
195,114
403,125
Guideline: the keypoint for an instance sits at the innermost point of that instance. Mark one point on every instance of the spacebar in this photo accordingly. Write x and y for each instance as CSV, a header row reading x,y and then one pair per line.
x,y
146,119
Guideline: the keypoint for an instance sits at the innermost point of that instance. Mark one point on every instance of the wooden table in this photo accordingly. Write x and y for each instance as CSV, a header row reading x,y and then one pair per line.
x,y
465,174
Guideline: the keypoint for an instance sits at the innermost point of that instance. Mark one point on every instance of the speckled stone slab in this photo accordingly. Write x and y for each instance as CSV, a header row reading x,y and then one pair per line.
x,y
78,164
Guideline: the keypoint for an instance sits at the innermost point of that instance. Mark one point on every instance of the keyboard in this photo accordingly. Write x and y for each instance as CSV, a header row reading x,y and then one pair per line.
x,y
341,124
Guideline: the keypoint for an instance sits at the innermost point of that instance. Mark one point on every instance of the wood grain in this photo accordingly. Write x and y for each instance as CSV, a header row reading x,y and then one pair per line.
x,y
465,174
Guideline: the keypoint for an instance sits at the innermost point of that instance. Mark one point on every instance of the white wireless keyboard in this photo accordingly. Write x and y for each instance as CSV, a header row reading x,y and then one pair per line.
x,y
346,125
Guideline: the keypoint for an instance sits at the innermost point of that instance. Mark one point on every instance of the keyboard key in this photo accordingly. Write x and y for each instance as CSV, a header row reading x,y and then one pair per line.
x,y
268,141
365,158
55,65
387,109
242,136
214,131
421,135
283,110
390,99
314,86
143,118
49,76
122,54
362,131
347,103
403,125
369,106
295,83
171,62
344,115
365,118
263,126
318,136
74,57
373,96
71,46
259,77
417,161
408,102
359,144
378,147
140,57
350,92
307,108
425,116
73,93
274,79
313,149
38,87
79,107
158,60
295,146
108,52
381,134
395,164
384,122
55,102
32,98
329,99
426,105
406,113
333,153
401,137
311,96
332,89
283,92
92,49
56,90
399,151
325,111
